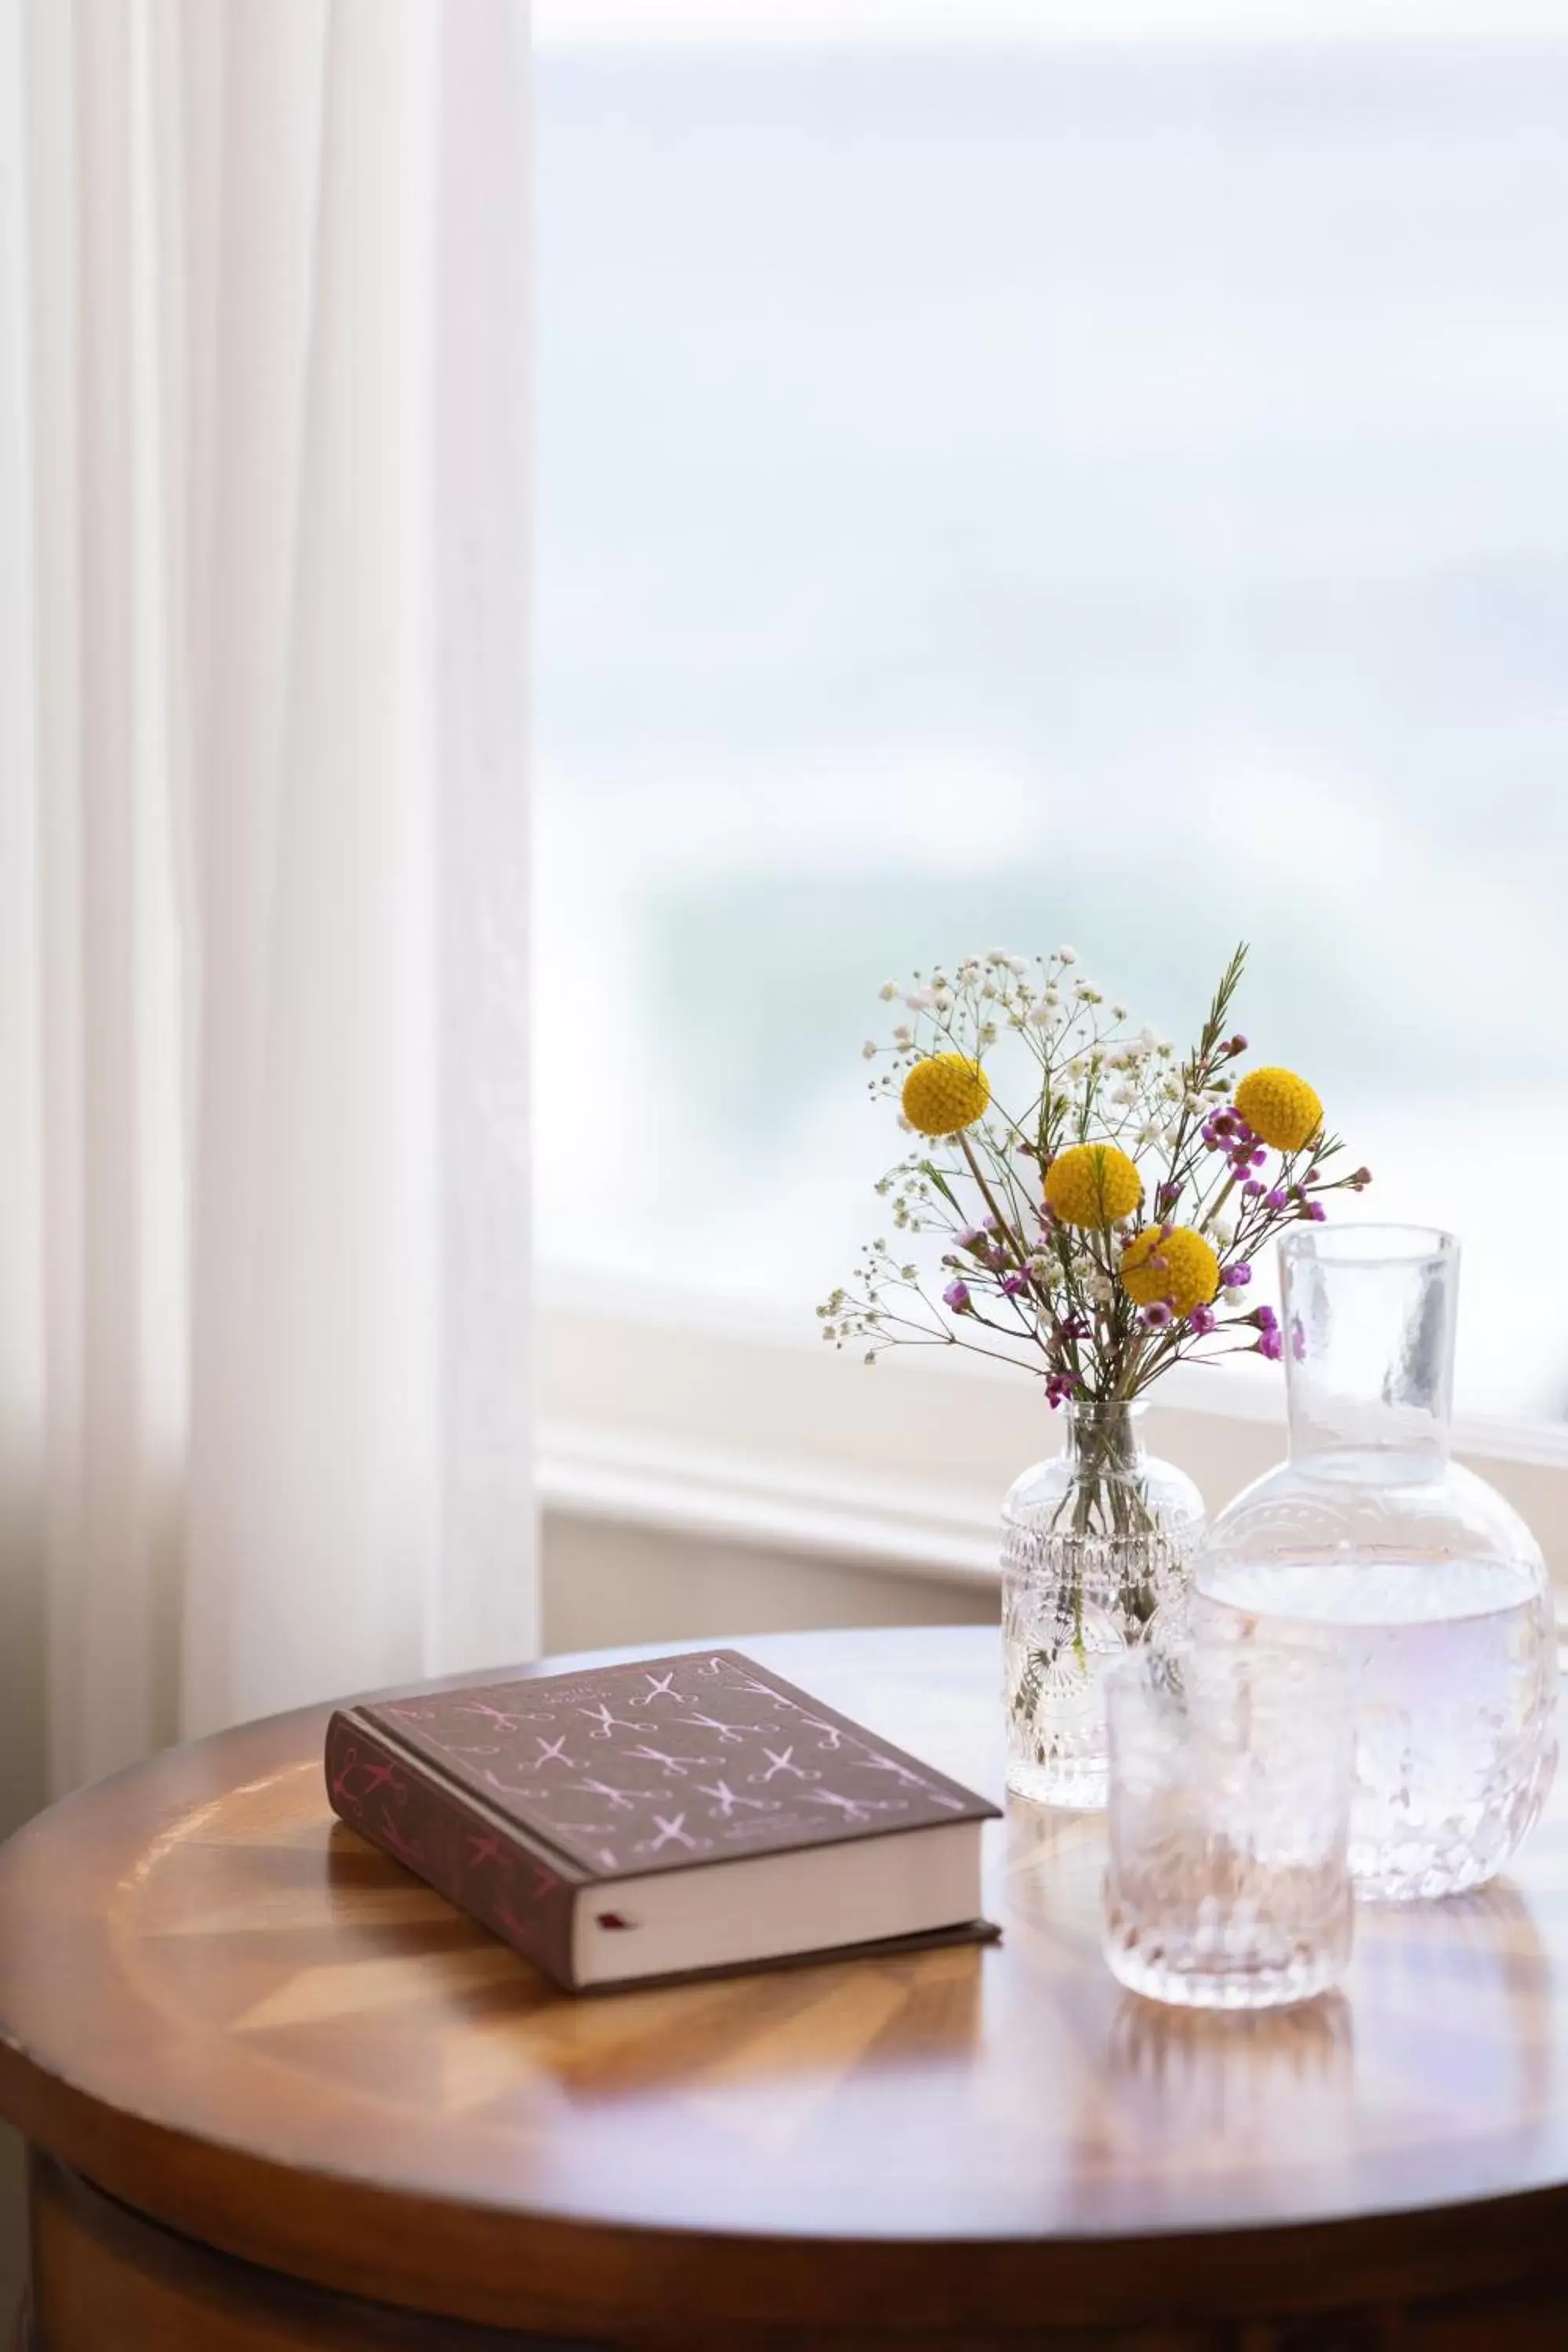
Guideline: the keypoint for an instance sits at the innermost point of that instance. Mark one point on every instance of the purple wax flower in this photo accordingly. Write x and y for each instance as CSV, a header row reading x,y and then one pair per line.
x,y
1233,1278
1237,1043
1268,1346
1317,1213
1202,1319
1252,1190
1258,1155
1156,1317
1265,1318
1168,1195
956,1296
1275,1199
1059,1387
1013,1283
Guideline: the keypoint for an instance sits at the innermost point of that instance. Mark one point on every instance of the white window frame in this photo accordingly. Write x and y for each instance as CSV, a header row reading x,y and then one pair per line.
x,y
726,1425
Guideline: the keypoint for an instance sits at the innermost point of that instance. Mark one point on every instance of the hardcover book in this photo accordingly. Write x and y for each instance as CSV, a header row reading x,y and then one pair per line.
x,y
685,1813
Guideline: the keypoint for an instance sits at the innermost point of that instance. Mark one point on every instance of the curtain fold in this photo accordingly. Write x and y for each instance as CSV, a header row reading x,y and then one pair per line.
x,y
266,1386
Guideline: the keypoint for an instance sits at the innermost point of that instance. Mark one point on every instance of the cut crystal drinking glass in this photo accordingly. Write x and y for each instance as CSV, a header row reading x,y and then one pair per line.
x,y
1372,1542
1231,1778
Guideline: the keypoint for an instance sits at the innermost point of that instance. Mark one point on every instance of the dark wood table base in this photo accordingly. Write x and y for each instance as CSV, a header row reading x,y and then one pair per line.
x,y
105,2279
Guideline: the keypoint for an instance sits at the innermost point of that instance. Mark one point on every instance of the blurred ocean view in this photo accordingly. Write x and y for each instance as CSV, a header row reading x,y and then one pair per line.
x,y
995,497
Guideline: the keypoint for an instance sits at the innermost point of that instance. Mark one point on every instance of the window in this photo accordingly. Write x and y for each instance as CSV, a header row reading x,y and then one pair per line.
x,y
1006,490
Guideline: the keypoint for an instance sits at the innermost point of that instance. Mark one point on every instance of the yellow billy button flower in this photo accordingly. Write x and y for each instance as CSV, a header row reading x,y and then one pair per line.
x,y
1280,1109
1170,1266
945,1093
1092,1184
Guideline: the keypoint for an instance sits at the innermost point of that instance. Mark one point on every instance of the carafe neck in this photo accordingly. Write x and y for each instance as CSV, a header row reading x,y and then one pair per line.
x,y
1369,1315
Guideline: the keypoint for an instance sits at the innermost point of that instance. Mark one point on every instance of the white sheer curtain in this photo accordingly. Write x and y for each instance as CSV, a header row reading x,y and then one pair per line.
x,y
263,1235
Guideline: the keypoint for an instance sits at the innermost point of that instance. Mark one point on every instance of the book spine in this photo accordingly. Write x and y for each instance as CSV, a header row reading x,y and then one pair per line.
x,y
465,1855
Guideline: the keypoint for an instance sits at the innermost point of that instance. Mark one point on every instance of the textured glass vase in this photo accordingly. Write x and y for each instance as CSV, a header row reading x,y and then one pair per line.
x,y
1095,1542
1368,1539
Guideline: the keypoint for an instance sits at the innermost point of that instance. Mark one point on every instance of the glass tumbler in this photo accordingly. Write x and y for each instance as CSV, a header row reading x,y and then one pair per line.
x,y
1232,1771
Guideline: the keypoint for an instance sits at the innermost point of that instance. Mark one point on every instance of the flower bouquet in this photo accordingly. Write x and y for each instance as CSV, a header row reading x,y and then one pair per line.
x,y
1098,1232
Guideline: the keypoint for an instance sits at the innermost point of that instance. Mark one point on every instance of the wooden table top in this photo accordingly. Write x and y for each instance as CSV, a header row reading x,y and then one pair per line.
x,y
228,2011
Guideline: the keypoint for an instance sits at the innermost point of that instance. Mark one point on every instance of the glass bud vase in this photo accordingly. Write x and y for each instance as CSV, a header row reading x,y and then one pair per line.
x,y
1370,1539
1096,1542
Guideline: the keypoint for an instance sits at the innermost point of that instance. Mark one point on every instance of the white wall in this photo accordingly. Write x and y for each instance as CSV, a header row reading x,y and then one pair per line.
x,y
606,1583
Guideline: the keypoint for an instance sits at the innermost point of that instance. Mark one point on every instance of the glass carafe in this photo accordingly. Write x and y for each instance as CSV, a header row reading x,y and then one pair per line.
x,y
1371,1538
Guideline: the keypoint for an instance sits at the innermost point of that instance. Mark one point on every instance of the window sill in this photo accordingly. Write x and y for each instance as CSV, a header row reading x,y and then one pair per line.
x,y
899,1527
657,1414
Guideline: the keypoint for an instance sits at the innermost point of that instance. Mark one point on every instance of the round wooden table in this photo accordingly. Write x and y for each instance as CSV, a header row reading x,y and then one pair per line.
x,y
277,2093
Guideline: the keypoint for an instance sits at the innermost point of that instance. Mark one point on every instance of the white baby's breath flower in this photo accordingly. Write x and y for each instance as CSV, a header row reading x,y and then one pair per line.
x,y
903,1034
888,991
1233,1295
920,1000
868,1050
1041,1016
1017,964
1119,1013
942,1000
1066,955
